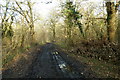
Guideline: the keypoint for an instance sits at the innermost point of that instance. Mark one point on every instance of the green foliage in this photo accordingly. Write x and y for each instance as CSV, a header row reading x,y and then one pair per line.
x,y
72,16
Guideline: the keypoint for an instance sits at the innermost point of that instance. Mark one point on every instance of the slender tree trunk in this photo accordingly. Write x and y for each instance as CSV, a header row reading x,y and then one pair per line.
x,y
32,23
54,34
32,34
22,41
69,34
81,31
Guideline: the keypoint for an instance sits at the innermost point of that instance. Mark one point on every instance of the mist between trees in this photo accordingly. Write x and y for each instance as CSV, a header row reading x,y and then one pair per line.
x,y
68,24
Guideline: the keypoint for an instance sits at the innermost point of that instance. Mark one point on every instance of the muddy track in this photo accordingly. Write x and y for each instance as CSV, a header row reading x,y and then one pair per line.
x,y
51,62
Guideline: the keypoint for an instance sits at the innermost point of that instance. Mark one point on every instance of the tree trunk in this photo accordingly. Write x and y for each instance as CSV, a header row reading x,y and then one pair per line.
x,y
118,29
81,31
32,33
54,33
22,41
111,20
32,22
69,34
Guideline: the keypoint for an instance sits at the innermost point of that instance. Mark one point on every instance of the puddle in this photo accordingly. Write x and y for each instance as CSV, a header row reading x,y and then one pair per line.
x,y
66,70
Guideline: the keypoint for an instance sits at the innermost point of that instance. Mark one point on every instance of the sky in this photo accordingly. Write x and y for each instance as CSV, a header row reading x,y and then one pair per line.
x,y
43,9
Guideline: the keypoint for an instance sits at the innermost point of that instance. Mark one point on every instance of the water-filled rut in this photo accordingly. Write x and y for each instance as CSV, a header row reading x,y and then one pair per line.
x,y
64,67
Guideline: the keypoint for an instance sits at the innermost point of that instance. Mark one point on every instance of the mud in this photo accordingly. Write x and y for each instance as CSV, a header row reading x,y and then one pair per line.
x,y
48,61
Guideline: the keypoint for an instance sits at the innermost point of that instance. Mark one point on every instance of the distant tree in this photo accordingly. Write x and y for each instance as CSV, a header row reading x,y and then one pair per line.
x,y
72,17
53,20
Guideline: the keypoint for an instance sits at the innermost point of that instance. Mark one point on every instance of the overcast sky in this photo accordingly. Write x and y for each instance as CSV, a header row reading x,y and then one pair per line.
x,y
44,6
44,9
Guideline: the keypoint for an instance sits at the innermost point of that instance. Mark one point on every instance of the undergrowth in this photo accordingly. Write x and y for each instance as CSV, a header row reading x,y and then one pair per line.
x,y
12,53
102,56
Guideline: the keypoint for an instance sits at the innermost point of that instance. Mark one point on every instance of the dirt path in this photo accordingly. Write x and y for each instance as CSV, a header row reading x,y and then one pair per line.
x,y
49,62
43,66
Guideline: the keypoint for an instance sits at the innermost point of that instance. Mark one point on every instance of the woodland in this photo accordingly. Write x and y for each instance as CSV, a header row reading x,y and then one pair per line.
x,y
82,28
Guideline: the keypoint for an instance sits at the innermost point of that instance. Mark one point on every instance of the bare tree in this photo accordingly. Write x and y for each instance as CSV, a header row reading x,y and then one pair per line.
x,y
53,20
7,20
27,14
